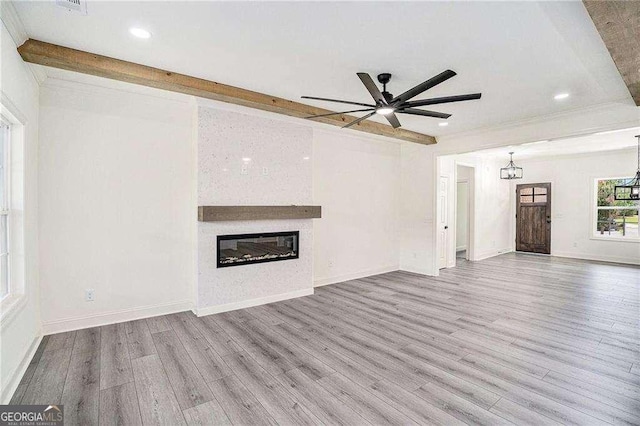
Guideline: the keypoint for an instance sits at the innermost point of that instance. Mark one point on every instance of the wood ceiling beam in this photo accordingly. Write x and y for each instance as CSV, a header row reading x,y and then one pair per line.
x,y
618,23
51,55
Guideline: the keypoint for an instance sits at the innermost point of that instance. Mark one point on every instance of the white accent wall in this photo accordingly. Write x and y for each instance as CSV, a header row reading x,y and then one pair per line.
x,y
20,326
248,160
572,194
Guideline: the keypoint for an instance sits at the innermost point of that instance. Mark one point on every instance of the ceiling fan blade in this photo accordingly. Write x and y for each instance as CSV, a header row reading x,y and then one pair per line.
x,y
354,122
413,92
393,120
443,100
414,111
372,88
337,100
338,113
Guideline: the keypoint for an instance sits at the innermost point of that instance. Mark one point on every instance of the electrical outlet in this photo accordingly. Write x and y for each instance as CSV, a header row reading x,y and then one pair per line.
x,y
89,295
244,170
265,171
575,244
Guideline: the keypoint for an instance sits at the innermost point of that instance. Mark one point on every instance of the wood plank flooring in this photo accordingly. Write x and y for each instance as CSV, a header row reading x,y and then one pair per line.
x,y
515,339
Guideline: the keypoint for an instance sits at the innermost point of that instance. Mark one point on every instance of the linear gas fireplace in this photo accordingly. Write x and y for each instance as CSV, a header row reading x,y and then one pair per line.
x,y
243,249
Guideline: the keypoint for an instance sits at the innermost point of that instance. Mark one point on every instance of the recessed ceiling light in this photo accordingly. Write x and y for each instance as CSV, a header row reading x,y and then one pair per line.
x,y
443,124
246,159
561,96
384,111
305,158
140,32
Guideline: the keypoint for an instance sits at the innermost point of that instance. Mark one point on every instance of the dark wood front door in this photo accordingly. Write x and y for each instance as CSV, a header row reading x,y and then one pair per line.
x,y
533,218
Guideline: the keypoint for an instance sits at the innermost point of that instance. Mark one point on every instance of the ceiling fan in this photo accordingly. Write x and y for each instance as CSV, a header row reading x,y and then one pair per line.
x,y
388,106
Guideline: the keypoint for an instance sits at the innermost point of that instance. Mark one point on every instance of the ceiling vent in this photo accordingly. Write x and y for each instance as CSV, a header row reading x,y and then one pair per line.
x,y
79,6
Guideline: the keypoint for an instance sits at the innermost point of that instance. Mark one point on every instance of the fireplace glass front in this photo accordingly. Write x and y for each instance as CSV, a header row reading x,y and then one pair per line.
x,y
243,249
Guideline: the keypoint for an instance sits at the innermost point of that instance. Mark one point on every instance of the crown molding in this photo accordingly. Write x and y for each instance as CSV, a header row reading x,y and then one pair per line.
x,y
567,124
549,117
12,22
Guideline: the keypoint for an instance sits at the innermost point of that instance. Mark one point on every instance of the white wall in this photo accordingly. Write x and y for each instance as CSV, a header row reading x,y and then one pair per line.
x,y
284,149
464,181
572,195
462,215
117,205
417,208
357,183
20,327
492,216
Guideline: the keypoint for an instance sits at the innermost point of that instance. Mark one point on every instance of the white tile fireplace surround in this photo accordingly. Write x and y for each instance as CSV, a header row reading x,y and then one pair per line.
x,y
246,160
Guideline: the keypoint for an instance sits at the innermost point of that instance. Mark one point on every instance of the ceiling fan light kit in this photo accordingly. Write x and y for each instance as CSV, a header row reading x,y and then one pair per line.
x,y
630,190
387,105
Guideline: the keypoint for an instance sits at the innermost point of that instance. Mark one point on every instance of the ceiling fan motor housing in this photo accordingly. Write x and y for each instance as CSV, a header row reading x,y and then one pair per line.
x,y
384,78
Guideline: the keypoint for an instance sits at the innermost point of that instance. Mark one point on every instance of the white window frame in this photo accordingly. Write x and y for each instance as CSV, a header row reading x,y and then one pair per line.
x,y
5,210
17,298
593,232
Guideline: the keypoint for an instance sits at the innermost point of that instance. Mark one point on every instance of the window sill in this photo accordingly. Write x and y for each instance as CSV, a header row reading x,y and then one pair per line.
x,y
10,307
617,239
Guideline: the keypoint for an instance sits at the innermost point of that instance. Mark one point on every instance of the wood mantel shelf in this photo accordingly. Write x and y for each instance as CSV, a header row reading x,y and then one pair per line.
x,y
226,213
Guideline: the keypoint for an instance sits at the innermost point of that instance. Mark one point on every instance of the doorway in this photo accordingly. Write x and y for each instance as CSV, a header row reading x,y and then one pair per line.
x,y
533,218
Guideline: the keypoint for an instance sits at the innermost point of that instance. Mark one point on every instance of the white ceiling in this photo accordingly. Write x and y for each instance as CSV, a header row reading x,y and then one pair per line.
x,y
518,54
598,142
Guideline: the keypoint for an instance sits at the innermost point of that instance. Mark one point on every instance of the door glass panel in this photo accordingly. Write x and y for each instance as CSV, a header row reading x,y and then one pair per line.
x,y
526,191
540,191
539,198
526,199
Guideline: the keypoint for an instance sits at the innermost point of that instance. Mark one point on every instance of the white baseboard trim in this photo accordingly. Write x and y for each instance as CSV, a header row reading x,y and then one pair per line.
x,y
209,310
599,258
10,388
421,271
491,253
77,323
354,276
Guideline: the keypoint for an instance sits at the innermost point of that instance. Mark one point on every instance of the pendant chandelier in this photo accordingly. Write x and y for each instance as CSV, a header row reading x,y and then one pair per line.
x,y
630,190
511,171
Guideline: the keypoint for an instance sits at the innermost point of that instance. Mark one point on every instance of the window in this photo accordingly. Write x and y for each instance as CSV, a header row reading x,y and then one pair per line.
x,y
4,210
614,219
533,195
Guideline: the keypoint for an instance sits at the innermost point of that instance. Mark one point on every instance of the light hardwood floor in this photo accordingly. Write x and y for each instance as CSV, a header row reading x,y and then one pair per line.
x,y
513,339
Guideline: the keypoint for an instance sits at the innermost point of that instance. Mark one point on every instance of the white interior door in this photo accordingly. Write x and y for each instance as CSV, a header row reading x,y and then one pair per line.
x,y
443,216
